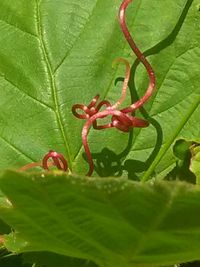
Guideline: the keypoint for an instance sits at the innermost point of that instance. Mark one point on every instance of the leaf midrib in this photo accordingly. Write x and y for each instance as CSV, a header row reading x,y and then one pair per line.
x,y
52,81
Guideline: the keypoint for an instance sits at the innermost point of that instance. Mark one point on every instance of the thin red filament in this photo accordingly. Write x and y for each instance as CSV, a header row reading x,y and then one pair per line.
x,y
93,108
140,56
126,80
120,119
57,160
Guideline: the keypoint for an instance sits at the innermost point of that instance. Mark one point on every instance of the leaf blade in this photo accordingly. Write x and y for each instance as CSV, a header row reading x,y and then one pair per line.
x,y
109,221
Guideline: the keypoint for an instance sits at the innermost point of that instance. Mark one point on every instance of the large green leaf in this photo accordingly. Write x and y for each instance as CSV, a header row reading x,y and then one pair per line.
x,y
110,221
55,53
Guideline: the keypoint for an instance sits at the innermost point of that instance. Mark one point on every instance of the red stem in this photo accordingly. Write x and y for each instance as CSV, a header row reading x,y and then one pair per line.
x,y
140,56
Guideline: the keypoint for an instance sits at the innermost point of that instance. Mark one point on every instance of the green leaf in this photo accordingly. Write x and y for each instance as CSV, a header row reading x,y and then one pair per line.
x,y
54,54
110,221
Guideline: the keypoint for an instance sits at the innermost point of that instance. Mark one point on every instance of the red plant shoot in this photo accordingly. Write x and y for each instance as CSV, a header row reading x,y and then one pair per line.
x,y
120,118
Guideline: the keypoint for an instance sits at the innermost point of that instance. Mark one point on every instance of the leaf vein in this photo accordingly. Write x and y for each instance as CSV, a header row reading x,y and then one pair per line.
x,y
26,94
52,81
75,41
16,149
18,28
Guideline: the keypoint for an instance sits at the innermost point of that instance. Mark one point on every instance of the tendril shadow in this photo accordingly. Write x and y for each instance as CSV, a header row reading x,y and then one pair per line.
x,y
133,167
108,163
172,36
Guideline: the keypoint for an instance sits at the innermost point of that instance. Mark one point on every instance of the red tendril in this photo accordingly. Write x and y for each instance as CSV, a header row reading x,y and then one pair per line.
x,y
120,118
58,161
93,108
140,56
121,121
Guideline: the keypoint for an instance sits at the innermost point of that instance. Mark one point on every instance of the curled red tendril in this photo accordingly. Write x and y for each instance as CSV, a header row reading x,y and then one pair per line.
x,y
57,160
120,119
93,108
140,56
124,121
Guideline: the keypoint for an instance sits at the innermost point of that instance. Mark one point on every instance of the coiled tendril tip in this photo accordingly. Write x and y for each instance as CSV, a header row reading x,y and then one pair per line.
x,y
58,161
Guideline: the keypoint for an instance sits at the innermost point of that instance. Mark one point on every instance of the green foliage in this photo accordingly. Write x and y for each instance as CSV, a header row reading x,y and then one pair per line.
x,y
56,53
182,170
195,162
109,221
